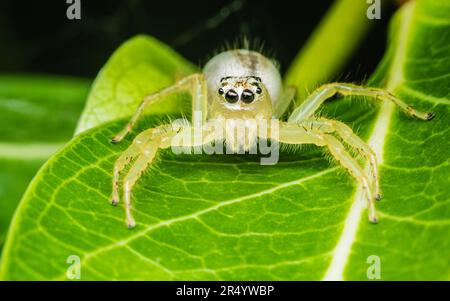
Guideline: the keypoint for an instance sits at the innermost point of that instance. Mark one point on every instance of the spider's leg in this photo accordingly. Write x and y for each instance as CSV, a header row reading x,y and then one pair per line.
x,y
125,158
351,139
346,160
139,166
194,83
291,135
284,100
323,93
158,138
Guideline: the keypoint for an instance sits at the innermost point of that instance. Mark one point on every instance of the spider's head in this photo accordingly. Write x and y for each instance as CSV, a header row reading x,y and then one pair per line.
x,y
242,86
242,97
241,103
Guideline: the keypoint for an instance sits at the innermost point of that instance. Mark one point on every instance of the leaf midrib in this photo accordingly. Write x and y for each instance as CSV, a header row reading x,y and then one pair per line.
x,y
377,139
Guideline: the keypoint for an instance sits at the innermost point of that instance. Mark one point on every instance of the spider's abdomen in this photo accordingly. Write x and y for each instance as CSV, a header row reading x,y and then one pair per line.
x,y
242,62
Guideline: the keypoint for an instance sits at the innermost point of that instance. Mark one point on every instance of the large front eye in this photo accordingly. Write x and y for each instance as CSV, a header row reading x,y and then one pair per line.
x,y
231,96
247,96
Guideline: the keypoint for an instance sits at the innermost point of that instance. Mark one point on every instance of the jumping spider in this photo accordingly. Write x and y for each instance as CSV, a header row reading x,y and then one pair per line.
x,y
243,84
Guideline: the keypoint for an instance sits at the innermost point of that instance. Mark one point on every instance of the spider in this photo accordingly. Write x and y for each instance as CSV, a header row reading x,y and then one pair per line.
x,y
244,84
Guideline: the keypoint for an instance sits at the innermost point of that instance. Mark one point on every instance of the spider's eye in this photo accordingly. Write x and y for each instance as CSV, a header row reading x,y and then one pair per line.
x,y
231,96
220,91
258,90
247,96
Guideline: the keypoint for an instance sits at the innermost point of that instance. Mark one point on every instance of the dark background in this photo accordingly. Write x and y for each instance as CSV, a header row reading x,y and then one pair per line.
x,y
36,36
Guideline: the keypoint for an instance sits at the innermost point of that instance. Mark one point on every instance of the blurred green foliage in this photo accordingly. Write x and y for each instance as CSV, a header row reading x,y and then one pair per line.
x,y
38,115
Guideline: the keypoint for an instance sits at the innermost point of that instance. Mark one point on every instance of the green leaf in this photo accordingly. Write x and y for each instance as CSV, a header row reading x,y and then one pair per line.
x,y
227,217
342,29
139,67
38,115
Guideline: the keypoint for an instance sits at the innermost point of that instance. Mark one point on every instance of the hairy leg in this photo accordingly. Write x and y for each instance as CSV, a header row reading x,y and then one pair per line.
x,y
125,158
323,93
144,148
298,135
136,148
145,158
194,83
346,160
351,139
